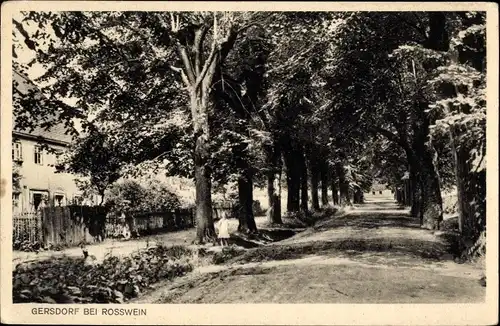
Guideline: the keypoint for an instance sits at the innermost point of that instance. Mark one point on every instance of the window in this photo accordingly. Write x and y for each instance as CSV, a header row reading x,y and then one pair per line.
x,y
15,201
37,200
17,153
58,200
59,162
77,200
38,155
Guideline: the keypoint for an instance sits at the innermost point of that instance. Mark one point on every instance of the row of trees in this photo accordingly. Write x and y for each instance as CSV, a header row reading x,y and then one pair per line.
x,y
326,99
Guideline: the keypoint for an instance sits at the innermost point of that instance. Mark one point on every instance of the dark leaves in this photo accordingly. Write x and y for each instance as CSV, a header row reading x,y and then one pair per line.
x,y
115,280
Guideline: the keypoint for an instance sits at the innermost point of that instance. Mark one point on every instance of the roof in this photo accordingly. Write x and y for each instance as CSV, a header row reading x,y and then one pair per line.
x,y
57,133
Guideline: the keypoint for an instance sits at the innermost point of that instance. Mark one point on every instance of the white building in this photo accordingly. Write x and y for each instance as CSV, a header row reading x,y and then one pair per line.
x,y
40,183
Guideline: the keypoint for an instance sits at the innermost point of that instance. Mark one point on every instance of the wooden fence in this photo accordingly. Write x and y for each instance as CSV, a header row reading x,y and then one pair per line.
x,y
218,210
72,225
27,227
164,221
64,226
150,223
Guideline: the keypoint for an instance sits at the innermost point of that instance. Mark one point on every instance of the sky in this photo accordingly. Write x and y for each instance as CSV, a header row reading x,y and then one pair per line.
x,y
25,55
23,52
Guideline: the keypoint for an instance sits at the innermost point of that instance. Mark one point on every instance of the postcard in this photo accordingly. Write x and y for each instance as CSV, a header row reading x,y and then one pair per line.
x,y
261,163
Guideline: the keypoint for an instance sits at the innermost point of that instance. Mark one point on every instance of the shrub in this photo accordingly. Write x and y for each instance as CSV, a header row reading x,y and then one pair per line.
x,y
257,208
131,197
26,245
115,280
234,204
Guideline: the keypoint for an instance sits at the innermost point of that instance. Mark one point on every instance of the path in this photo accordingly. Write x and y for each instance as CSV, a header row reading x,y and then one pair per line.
x,y
373,254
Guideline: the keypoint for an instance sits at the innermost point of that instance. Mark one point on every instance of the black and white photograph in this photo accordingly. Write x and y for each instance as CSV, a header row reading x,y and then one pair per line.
x,y
246,156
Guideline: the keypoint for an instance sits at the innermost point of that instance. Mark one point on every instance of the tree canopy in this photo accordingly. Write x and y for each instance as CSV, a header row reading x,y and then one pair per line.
x,y
333,100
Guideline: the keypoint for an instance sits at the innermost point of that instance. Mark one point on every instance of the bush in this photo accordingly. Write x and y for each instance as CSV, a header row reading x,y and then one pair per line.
x,y
26,245
234,204
115,280
257,208
131,197
450,203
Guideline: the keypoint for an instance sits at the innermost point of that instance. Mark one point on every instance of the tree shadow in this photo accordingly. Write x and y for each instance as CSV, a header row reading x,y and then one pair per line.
x,y
422,249
371,220
264,236
236,240
376,209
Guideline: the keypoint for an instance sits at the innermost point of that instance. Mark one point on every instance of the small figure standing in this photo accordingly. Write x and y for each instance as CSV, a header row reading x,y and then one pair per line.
x,y
222,226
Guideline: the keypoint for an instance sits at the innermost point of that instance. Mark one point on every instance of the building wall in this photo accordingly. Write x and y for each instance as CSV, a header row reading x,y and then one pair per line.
x,y
380,193
379,189
42,178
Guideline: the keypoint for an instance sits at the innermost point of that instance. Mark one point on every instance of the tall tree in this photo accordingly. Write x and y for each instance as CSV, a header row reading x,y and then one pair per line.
x,y
134,59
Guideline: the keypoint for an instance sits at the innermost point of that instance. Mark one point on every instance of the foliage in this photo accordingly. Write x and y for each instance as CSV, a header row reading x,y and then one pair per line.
x,y
374,93
16,178
26,245
460,109
460,87
115,280
389,162
95,157
131,197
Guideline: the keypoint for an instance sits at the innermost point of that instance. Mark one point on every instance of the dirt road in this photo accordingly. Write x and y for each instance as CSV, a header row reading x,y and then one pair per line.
x,y
375,253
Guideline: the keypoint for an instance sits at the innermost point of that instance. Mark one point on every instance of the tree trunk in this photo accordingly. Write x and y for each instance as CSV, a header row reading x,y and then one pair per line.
x,y
245,198
404,193
130,220
471,193
324,183
343,186
438,38
198,78
407,192
314,183
273,196
398,196
431,206
416,191
204,222
203,186
335,194
358,196
293,181
304,197
431,210
474,218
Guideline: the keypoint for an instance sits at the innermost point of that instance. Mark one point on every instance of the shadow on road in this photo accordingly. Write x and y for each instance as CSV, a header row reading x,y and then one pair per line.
x,y
422,250
376,253
371,220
